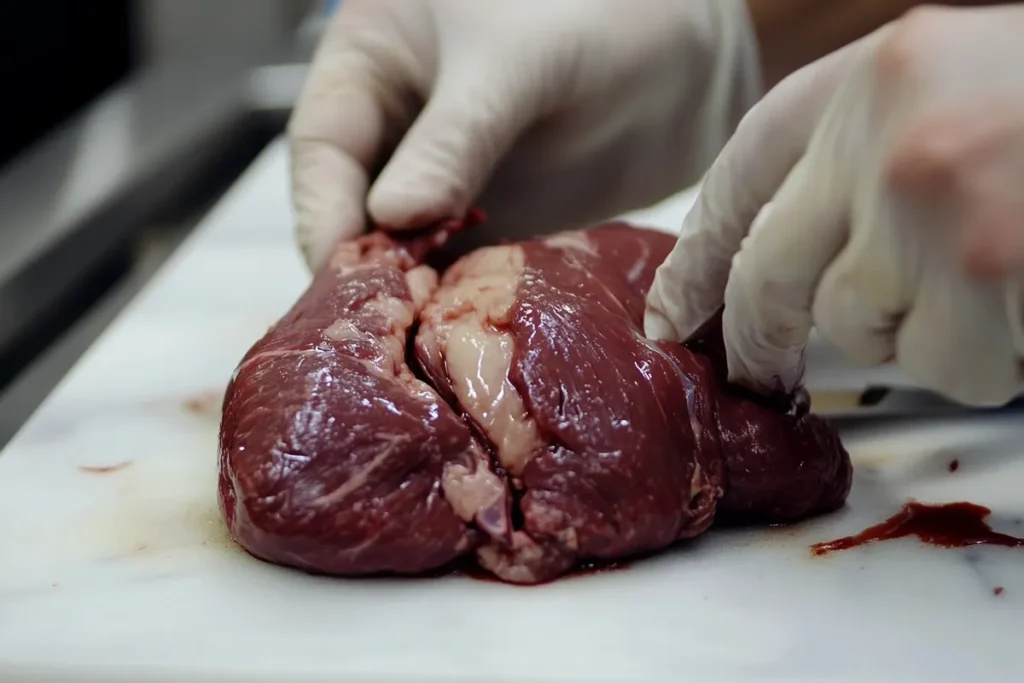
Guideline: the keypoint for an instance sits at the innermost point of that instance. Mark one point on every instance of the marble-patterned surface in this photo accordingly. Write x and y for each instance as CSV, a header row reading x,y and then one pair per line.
x,y
114,565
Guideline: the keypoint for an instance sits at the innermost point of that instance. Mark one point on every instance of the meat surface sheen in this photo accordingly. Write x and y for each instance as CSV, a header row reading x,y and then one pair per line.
x,y
536,427
332,451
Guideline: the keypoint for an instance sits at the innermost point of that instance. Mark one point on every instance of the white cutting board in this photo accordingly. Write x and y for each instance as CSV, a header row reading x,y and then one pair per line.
x,y
127,575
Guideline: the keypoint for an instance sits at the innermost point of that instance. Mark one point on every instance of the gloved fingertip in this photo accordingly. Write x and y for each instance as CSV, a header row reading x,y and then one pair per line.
x,y
316,242
676,304
321,224
413,200
324,219
472,119
763,363
328,191
657,326
765,385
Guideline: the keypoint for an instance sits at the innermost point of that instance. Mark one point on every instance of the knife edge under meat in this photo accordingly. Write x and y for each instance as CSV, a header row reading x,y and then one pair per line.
x,y
885,402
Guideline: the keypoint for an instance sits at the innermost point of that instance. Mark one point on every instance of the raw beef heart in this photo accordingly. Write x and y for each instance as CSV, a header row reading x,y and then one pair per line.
x,y
513,411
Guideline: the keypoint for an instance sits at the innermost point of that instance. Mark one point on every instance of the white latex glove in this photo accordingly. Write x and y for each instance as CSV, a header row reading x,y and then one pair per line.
x,y
894,171
559,112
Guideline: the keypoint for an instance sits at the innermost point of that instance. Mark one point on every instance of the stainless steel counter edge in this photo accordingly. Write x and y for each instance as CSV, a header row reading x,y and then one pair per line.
x,y
89,213
71,197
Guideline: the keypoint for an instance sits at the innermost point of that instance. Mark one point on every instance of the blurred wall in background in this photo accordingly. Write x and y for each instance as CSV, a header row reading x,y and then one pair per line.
x,y
172,28
56,56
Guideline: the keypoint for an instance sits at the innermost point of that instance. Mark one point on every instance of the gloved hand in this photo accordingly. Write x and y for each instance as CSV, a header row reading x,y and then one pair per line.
x,y
560,112
892,171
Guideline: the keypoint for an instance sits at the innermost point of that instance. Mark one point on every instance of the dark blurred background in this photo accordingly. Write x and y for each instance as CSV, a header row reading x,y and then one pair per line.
x,y
123,122
55,57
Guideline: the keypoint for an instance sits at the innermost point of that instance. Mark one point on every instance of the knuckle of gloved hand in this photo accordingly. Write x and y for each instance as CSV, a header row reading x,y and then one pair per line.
x,y
425,183
932,148
427,192
908,43
932,156
991,246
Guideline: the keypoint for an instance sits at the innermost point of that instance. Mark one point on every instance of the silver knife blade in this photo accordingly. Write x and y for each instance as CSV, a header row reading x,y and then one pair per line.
x,y
885,402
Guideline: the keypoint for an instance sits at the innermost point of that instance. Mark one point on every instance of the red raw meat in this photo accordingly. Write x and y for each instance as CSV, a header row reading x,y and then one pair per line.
x,y
512,412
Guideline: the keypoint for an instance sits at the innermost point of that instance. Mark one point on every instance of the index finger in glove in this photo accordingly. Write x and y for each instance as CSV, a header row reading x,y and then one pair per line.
x,y
354,95
767,317
775,277
689,286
